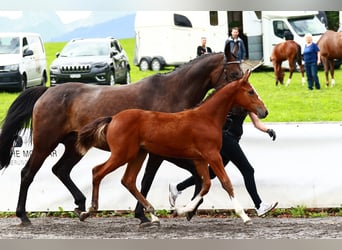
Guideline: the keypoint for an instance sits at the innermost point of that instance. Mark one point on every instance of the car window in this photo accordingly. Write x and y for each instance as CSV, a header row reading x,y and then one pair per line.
x,y
88,48
9,45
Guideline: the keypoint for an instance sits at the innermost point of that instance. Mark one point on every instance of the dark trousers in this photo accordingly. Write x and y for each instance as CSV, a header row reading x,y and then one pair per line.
x,y
312,75
231,151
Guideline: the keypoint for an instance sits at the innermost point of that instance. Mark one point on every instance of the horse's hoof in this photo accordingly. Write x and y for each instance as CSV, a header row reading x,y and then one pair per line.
x,y
25,224
84,215
189,215
248,222
156,223
78,212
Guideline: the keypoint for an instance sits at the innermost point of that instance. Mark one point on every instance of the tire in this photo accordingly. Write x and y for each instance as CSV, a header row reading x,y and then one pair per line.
x,y
23,83
128,77
144,65
111,78
156,65
43,80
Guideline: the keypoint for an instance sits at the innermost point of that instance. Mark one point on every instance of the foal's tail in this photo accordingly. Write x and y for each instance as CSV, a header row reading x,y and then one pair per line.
x,y
93,135
19,116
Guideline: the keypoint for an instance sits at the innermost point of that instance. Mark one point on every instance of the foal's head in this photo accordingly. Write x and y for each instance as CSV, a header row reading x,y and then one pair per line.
x,y
248,98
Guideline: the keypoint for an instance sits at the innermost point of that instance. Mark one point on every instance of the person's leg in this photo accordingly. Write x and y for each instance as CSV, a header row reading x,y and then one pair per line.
x,y
315,76
309,75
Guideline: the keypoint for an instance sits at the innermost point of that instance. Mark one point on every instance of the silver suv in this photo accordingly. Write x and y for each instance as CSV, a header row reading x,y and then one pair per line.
x,y
95,60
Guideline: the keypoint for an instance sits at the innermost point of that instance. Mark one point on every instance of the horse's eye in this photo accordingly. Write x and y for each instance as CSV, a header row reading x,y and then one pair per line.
x,y
251,92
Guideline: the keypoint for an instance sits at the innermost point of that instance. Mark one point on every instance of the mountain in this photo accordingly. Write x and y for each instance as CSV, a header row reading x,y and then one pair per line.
x,y
52,29
122,27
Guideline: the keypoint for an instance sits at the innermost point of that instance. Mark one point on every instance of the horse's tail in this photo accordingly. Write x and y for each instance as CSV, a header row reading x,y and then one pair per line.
x,y
93,135
19,116
299,54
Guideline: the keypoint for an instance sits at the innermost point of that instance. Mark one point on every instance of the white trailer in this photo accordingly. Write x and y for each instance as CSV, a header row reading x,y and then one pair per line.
x,y
171,38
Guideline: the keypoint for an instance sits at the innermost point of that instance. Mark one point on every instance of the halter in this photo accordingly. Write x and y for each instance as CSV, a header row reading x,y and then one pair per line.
x,y
224,70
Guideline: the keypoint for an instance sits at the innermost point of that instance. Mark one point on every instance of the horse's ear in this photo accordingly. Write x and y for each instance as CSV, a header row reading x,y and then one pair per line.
x,y
246,75
227,52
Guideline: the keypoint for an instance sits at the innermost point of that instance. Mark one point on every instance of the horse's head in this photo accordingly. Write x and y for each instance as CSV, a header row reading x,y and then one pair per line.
x,y
248,98
233,69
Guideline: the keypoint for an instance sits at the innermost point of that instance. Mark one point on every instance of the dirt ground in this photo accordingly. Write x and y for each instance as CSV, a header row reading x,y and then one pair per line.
x,y
173,228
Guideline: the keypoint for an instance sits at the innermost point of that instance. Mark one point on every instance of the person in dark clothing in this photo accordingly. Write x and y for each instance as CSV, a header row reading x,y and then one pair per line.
x,y
203,48
235,39
312,59
231,151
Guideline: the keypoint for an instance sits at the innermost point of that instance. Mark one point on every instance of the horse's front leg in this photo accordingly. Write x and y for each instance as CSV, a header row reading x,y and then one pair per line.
x,y
218,169
203,173
129,181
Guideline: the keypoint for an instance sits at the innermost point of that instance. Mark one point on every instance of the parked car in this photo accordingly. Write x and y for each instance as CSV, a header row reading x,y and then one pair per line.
x,y
100,61
22,61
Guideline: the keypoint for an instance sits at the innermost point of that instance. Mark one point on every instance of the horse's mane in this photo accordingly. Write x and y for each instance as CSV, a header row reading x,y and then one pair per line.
x,y
185,66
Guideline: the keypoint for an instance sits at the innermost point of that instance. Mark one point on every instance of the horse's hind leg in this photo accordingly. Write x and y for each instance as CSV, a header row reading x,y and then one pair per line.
x,y
152,166
27,175
63,168
332,72
129,181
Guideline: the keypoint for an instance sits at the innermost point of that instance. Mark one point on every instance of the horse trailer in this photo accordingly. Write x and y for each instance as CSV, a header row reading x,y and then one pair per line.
x,y
169,38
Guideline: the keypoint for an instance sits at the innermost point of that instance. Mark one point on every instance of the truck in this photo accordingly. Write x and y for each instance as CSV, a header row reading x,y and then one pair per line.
x,y
170,38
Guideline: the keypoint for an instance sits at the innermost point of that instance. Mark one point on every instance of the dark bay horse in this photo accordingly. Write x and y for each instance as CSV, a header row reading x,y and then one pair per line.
x,y
287,50
194,134
58,113
330,46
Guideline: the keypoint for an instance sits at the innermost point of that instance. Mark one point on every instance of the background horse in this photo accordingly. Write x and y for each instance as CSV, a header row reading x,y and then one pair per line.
x,y
291,51
59,112
330,46
194,134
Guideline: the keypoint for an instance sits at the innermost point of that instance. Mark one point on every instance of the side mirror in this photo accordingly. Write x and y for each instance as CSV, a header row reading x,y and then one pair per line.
x,y
57,54
28,52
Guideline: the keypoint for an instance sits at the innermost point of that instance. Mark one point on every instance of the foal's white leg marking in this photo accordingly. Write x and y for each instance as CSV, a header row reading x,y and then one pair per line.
x,y
154,218
239,210
189,207
288,82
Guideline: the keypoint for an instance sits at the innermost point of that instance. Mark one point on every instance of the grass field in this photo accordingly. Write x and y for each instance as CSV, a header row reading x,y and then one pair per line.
x,y
286,104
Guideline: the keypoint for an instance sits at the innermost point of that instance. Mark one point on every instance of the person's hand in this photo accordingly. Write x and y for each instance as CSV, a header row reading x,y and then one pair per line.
x,y
271,133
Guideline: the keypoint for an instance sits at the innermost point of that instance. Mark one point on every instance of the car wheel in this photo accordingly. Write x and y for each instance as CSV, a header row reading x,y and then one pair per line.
x,y
23,83
111,78
128,77
156,65
43,80
144,66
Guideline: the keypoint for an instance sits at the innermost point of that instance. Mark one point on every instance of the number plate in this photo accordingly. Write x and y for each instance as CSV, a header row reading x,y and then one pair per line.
x,y
75,76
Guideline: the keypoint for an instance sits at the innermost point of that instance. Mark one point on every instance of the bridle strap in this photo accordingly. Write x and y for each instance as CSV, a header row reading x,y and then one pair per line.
x,y
224,70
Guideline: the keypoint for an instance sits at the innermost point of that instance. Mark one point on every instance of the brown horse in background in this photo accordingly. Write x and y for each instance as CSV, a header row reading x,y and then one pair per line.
x,y
194,134
330,46
287,50
58,113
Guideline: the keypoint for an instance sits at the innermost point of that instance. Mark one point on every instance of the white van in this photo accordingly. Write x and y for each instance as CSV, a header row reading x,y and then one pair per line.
x,y
22,61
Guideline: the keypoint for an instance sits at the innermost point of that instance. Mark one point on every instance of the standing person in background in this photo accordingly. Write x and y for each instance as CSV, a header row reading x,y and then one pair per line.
x,y
234,38
312,58
203,48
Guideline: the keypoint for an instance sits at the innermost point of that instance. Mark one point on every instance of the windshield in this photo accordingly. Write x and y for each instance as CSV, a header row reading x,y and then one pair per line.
x,y
85,48
306,25
9,45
